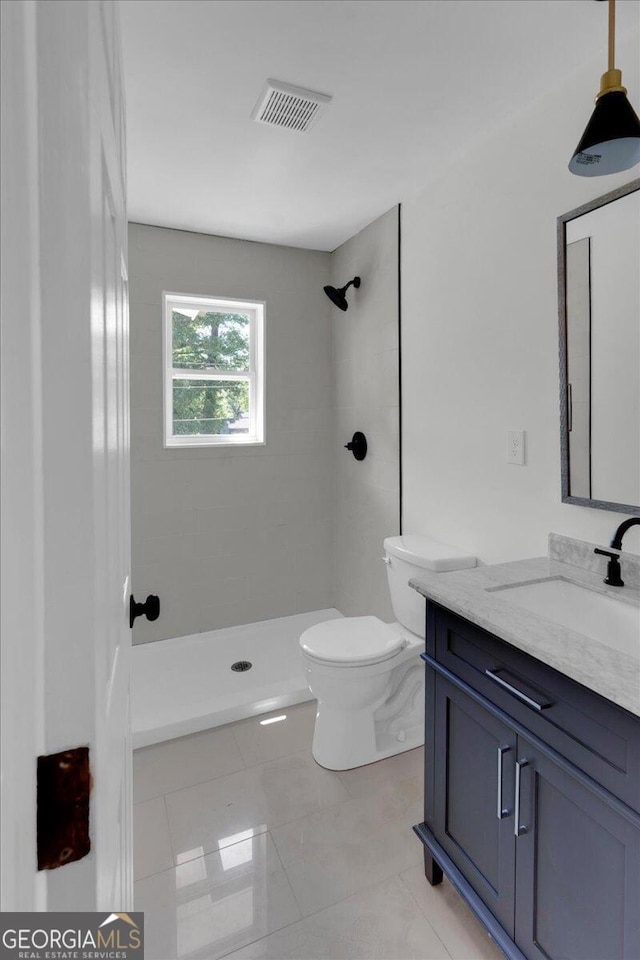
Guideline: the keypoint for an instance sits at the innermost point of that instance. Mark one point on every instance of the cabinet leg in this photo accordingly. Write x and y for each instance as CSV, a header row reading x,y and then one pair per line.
x,y
432,871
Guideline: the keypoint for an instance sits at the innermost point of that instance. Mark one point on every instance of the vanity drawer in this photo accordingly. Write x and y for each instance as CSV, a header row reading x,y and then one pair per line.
x,y
597,736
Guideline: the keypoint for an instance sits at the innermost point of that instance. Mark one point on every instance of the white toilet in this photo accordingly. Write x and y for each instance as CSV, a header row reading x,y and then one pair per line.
x,y
367,675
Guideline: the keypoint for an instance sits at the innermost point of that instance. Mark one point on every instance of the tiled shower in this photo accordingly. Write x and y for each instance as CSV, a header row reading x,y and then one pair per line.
x,y
233,536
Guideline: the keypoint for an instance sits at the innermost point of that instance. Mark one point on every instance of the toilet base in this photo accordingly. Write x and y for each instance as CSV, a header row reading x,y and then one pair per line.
x,y
331,762
345,739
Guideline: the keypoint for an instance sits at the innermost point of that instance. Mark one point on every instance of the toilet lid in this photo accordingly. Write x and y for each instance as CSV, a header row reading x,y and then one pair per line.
x,y
354,640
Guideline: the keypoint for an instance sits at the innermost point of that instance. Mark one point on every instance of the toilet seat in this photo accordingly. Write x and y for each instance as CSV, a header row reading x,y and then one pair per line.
x,y
352,641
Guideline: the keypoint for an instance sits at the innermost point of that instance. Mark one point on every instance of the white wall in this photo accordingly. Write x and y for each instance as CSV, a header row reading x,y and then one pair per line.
x,y
366,396
480,332
228,536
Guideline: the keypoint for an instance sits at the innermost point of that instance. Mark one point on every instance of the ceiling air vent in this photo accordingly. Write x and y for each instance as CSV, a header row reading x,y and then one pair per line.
x,y
282,105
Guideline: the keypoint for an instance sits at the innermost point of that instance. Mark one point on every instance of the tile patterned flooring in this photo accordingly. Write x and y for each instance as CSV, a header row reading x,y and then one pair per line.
x,y
246,848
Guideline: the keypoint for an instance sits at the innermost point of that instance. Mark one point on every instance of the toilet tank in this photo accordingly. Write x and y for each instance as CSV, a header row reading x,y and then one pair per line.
x,y
408,557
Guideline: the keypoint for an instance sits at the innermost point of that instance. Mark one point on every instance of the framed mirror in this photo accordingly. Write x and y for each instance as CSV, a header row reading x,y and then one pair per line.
x,y
599,324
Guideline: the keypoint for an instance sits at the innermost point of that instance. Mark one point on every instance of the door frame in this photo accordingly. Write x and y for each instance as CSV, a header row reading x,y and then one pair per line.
x,y
22,512
64,639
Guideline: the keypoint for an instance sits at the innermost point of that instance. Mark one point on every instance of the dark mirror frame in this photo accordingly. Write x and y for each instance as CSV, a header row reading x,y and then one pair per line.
x,y
562,221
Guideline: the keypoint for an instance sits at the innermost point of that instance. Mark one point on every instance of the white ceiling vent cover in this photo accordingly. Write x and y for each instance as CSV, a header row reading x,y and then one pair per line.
x,y
283,105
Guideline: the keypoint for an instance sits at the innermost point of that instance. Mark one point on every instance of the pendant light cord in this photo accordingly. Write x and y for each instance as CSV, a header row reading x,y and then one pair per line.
x,y
612,34
611,81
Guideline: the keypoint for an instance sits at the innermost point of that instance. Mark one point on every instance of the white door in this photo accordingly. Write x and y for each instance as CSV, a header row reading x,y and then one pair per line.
x,y
65,640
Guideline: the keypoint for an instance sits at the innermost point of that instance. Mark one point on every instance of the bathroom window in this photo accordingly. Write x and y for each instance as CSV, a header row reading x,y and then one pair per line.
x,y
214,371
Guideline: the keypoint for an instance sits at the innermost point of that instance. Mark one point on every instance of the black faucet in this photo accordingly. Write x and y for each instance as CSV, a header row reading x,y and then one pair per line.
x,y
616,543
614,573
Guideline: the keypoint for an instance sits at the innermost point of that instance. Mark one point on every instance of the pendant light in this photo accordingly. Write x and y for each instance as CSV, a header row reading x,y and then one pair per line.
x,y
611,141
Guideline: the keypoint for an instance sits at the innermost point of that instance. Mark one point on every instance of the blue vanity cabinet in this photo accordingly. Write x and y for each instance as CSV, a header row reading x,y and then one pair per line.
x,y
577,867
474,768
545,854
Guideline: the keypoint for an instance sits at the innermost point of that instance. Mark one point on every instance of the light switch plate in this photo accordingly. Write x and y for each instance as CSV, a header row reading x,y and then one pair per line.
x,y
515,447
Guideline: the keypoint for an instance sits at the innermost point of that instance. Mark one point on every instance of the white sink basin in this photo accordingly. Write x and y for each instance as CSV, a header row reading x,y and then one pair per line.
x,y
603,618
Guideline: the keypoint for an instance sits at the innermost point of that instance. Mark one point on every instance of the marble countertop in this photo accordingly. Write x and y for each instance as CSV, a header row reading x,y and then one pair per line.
x,y
609,672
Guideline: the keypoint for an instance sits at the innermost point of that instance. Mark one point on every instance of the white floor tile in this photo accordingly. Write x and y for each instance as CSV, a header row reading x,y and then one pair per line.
x,y
211,815
204,908
175,764
156,897
362,780
151,844
259,741
211,880
380,923
336,852
459,929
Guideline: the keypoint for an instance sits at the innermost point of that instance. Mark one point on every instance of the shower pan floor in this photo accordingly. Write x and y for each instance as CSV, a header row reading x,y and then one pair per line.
x,y
187,684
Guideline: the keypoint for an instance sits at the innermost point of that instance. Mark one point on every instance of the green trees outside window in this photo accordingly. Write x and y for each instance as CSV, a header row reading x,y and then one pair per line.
x,y
210,342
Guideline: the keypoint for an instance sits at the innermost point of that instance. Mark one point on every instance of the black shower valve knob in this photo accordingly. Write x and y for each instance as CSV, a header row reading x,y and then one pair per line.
x,y
150,608
357,445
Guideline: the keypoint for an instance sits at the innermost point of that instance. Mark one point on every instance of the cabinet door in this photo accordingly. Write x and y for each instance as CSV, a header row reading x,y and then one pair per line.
x,y
474,758
578,868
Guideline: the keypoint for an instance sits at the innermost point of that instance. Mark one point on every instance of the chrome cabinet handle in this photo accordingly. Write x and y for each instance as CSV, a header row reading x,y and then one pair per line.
x,y
501,812
515,692
519,828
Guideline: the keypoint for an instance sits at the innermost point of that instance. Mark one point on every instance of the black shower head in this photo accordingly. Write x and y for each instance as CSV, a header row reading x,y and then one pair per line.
x,y
337,296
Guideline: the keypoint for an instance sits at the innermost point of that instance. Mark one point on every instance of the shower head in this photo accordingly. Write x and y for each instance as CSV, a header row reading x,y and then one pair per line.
x,y
337,296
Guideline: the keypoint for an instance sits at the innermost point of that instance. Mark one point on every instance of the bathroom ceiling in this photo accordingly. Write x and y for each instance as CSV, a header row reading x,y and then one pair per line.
x,y
414,83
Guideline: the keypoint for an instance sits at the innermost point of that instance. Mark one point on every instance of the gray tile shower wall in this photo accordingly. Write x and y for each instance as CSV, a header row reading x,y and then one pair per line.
x,y
366,397
230,536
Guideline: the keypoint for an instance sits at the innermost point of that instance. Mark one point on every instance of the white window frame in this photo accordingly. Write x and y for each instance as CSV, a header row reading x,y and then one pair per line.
x,y
256,309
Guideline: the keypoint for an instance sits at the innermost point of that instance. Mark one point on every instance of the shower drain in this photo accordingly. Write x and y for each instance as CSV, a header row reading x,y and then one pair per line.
x,y
241,665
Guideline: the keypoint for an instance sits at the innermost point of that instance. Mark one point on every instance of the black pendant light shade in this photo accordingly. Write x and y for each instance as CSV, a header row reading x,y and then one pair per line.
x,y
611,141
